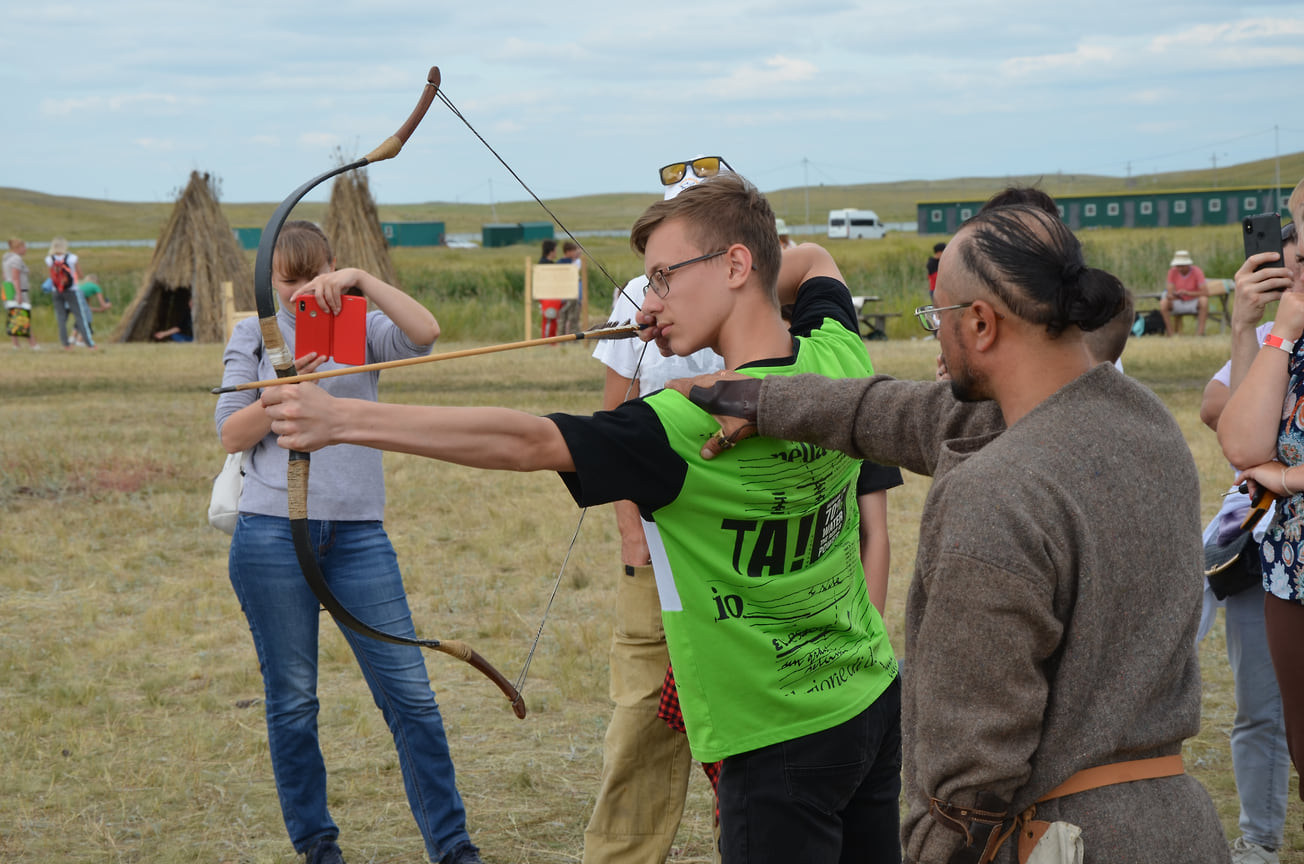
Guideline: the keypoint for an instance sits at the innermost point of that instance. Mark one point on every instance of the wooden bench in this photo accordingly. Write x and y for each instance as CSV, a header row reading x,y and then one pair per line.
x,y
873,323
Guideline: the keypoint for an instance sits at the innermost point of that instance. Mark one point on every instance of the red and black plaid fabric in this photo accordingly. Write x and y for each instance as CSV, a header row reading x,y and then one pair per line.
x,y
668,710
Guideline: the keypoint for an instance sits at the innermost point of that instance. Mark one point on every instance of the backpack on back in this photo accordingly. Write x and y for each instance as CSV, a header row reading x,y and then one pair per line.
x,y
61,273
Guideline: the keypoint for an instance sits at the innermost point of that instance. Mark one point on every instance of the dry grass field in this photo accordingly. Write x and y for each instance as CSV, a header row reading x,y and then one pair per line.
x,y
131,720
131,723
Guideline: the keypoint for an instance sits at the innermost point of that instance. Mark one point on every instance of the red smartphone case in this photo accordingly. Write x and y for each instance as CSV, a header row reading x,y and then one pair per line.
x,y
342,337
349,345
312,328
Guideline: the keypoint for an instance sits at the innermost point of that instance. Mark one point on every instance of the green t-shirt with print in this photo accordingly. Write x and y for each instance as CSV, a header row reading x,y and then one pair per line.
x,y
758,561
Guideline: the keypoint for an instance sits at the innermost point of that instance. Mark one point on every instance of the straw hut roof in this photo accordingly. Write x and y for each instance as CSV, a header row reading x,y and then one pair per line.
x,y
353,226
195,253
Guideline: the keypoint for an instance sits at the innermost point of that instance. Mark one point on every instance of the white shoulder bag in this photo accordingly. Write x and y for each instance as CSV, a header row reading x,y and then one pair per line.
x,y
224,505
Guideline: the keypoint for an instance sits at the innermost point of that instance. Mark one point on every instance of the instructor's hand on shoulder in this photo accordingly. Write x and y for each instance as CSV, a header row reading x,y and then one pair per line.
x,y
732,398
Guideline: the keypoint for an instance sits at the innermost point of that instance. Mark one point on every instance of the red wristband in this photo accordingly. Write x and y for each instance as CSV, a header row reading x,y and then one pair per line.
x,y
1272,341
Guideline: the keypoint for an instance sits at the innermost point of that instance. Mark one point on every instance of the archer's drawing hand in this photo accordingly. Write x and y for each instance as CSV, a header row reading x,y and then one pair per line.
x,y
301,416
652,332
732,398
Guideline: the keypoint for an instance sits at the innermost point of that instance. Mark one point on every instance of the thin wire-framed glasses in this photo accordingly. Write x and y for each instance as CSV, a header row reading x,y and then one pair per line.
x,y
707,166
659,281
930,320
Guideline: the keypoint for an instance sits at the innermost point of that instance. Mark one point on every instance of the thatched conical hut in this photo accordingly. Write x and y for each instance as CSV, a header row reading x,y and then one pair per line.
x,y
195,254
353,226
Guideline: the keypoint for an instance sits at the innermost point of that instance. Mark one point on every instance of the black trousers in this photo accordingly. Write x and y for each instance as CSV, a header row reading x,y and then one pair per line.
x,y
826,798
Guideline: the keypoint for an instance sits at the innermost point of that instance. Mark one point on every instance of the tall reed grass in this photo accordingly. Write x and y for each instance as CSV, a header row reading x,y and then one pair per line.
x,y
477,293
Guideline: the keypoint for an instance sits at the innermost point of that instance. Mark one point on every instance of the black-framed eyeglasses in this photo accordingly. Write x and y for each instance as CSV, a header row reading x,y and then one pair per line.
x,y
1288,234
929,318
707,166
659,281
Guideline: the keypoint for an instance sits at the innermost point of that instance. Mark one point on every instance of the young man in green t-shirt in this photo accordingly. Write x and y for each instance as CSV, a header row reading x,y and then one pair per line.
x,y
783,666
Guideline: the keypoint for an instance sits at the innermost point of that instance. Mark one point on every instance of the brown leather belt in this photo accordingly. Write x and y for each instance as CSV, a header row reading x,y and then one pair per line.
x,y
981,827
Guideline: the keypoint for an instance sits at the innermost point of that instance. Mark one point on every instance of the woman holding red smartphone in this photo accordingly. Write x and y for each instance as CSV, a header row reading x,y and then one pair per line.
x,y
346,508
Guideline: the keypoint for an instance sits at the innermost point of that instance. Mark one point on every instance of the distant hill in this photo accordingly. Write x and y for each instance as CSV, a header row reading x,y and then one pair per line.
x,y
38,217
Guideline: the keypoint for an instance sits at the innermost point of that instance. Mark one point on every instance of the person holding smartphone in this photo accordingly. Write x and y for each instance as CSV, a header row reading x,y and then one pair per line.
x,y
345,512
1266,445
1260,759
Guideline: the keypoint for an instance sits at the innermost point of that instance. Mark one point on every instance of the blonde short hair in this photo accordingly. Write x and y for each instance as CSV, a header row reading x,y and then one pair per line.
x,y
1296,203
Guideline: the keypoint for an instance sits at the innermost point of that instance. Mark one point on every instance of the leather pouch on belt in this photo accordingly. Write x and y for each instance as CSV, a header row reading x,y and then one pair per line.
x,y
982,826
1050,843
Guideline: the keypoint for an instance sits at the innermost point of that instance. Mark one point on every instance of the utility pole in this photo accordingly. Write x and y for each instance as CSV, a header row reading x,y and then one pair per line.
x,y
1276,159
805,182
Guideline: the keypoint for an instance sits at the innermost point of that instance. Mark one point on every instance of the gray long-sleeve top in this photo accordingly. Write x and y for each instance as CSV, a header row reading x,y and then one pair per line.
x,y
347,482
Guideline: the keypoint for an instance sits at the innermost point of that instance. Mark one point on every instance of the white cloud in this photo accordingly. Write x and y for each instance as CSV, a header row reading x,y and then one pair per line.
x,y
319,140
753,80
1152,96
145,103
1086,57
1219,35
156,145
516,50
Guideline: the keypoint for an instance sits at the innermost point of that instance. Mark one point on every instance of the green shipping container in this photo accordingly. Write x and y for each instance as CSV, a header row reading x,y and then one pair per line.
x,y
248,237
500,234
532,231
1155,209
413,233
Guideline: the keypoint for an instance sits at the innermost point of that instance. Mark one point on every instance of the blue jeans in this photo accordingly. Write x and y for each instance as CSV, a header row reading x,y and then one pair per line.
x,y
830,797
1260,759
362,570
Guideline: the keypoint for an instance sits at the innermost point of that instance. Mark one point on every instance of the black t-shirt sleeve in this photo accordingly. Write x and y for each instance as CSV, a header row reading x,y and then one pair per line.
x,y
820,298
621,455
876,478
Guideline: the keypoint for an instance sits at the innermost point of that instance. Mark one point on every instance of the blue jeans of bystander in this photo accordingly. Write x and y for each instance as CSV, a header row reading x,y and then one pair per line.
x,y
360,565
1260,759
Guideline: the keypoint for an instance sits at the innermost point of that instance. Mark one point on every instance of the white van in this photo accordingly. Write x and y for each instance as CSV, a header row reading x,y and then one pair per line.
x,y
851,224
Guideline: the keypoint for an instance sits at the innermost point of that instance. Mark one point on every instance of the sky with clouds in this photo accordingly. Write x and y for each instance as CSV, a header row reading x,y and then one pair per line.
x,y
122,100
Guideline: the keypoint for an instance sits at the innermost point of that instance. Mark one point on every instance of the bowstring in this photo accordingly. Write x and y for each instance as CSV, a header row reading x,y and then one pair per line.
x,y
561,571
443,97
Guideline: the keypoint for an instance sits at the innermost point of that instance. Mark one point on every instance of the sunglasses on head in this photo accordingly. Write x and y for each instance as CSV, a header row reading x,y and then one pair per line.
x,y
707,166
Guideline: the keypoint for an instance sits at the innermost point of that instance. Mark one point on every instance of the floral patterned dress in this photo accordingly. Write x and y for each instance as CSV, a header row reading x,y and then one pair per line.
x,y
1283,551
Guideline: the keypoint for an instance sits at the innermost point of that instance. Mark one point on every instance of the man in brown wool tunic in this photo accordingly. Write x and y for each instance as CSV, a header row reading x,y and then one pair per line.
x,y
1050,624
